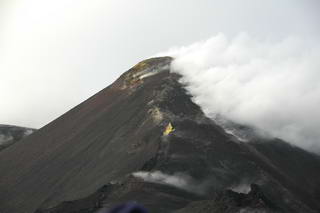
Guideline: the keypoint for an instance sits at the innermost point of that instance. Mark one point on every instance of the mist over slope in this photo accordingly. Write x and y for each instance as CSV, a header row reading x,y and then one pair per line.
x,y
12,134
270,85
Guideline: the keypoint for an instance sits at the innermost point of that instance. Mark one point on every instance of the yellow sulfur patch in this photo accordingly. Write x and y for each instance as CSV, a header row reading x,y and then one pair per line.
x,y
140,66
168,129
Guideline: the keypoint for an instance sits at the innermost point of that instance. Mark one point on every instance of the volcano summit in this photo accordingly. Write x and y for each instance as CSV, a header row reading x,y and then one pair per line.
x,y
143,139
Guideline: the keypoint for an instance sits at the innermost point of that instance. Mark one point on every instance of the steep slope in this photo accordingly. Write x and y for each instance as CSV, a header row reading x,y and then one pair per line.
x,y
143,139
12,134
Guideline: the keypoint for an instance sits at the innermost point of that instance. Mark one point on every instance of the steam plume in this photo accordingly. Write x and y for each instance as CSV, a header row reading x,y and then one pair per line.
x,y
178,180
270,85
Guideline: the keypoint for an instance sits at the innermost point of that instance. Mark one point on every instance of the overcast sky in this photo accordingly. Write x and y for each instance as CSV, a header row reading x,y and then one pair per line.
x,y
55,54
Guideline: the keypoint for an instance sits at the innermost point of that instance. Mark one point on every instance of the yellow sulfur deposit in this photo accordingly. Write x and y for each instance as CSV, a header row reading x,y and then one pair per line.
x,y
141,66
168,129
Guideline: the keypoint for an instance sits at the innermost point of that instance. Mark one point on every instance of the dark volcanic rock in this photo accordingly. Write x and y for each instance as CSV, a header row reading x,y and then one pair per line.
x,y
146,140
88,204
232,202
12,134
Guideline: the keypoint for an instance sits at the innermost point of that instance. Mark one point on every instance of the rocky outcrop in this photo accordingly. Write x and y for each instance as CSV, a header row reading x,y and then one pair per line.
x,y
233,202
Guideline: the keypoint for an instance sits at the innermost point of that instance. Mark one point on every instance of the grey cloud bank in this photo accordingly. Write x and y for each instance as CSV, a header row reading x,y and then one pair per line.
x,y
270,85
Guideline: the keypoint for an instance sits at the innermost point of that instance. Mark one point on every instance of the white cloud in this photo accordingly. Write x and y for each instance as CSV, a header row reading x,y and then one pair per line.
x,y
271,85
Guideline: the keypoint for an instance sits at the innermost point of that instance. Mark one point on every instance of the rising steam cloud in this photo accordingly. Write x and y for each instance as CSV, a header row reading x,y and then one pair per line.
x,y
270,85
178,180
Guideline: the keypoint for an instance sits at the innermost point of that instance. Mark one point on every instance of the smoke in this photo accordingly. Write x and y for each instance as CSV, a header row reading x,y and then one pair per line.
x,y
241,188
178,180
270,85
5,139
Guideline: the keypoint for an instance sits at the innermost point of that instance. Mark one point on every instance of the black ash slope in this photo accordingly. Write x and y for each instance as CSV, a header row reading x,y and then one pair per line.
x,y
145,122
